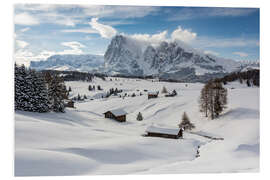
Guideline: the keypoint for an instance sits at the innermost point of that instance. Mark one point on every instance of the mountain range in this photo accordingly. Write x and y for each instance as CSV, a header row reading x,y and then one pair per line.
x,y
127,56
70,62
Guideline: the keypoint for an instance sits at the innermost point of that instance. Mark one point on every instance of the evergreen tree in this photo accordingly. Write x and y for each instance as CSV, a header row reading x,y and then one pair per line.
x,y
20,96
204,100
185,123
213,99
56,92
39,93
164,90
79,97
220,99
139,117
240,80
90,88
30,90
248,83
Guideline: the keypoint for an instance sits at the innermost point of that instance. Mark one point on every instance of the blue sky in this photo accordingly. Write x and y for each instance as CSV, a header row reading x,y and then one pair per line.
x,y
44,30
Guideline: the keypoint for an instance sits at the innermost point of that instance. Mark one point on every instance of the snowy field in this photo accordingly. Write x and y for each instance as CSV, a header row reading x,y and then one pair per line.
x,y
82,142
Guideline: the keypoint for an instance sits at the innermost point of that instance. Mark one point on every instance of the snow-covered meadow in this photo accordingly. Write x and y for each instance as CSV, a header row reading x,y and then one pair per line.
x,y
82,142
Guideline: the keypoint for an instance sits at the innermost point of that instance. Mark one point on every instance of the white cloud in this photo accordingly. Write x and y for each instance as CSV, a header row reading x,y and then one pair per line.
x,y
70,15
73,45
57,18
25,19
21,44
241,54
211,52
24,56
85,30
75,48
207,42
105,31
184,35
153,39
32,14
25,29
36,7
204,12
122,12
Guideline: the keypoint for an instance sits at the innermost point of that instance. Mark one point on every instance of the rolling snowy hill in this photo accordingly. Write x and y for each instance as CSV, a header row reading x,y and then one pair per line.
x,y
82,142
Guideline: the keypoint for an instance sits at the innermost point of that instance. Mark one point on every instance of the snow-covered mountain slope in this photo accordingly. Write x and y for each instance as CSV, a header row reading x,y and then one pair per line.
x,y
84,62
128,56
82,142
245,66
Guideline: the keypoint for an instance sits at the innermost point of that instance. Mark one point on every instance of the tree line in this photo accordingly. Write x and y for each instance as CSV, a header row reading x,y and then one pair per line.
x,y
213,99
250,77
39,91
76,75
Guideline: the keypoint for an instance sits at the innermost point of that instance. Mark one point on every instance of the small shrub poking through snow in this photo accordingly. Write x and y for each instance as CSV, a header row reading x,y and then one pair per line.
x,y
139,117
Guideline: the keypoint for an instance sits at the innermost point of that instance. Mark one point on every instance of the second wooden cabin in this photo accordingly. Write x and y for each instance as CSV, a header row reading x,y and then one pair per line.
x,y
164,132
69,103
116,114
153,95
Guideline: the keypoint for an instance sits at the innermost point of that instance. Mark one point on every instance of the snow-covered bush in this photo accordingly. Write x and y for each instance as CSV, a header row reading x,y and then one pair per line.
x,y
139,117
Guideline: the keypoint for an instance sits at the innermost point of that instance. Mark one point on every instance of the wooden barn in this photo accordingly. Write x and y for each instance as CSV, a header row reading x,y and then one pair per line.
x,y
164,132
116,114
69,103
152,95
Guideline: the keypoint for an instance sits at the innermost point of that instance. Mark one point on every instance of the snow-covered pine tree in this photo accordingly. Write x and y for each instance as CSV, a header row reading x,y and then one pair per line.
x,y
79,97
39,93
139,117
89,88
248,83
30,90
185,123
56,92
20,82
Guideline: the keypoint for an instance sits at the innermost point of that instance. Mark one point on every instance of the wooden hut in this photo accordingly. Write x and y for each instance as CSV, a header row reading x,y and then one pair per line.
x,y
152,95
69,103
116,114
175,133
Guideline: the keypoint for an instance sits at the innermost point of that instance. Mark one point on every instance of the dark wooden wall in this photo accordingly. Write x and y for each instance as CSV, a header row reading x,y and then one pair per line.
x,y
162,135
118,118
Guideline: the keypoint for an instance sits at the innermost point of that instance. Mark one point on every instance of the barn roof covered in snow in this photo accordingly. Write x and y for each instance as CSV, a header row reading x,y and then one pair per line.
x,y
118,112
160,130
153,92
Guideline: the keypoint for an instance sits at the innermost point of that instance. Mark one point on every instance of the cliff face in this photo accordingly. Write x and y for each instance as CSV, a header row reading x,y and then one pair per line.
x,y
126,56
